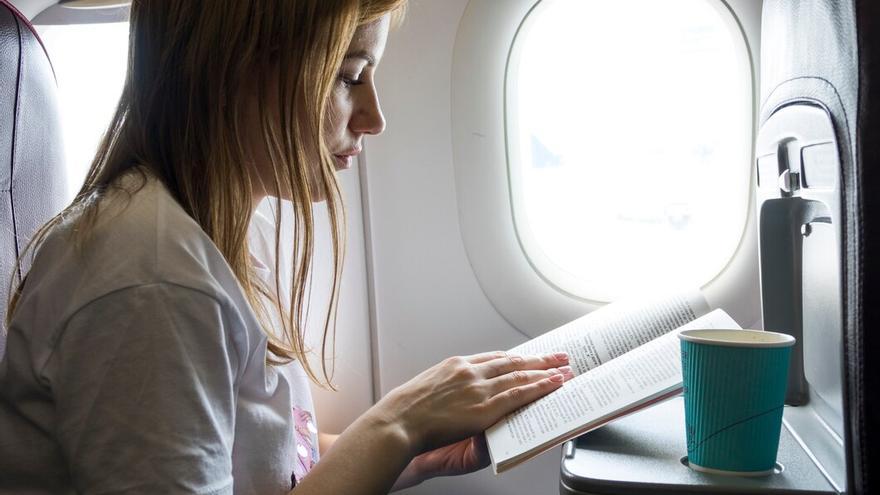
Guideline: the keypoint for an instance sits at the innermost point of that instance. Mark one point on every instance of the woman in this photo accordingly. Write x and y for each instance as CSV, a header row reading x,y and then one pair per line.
x,y
149,348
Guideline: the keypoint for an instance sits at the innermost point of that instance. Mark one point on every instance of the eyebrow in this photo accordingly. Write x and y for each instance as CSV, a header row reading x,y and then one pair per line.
x,y
362,54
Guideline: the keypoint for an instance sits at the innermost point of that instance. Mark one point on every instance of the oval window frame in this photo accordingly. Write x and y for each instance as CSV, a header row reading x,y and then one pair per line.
x,y
532,247
515,287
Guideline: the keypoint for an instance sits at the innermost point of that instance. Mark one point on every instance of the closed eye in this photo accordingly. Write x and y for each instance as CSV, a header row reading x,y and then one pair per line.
x,y
350,81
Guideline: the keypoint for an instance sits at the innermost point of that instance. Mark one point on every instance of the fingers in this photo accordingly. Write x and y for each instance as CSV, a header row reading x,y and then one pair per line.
x,y
485,356
516,397
502,363
519,378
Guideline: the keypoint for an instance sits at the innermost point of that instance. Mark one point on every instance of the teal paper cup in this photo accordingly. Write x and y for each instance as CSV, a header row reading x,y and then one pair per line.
x,y
734,389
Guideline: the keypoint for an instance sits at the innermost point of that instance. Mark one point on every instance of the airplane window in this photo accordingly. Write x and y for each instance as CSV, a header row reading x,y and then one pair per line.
x,y
629,134
90,63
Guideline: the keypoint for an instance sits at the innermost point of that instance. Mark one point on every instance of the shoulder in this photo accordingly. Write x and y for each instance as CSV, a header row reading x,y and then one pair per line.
x,y
140,237
168,322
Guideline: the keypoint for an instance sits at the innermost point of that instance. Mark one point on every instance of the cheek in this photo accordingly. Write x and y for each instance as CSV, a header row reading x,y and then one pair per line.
x,y
338,114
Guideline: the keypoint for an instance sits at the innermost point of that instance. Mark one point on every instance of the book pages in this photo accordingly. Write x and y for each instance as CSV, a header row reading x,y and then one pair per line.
x,y
615,329
619,386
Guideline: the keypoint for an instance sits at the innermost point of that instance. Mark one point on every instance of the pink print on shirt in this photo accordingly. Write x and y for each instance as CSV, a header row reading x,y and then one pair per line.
x,y
306,435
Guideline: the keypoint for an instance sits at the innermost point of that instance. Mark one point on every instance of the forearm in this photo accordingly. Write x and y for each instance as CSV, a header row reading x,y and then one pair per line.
x,y
367,458
410,476
325,441
438,414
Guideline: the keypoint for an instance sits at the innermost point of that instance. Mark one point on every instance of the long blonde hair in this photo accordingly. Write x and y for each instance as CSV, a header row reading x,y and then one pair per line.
x,y
181,119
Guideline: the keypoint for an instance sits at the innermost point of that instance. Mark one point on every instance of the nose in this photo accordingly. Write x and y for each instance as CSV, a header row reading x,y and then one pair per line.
x,y
367,117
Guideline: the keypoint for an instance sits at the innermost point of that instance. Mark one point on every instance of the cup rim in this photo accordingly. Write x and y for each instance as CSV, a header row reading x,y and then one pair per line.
x,y
737,337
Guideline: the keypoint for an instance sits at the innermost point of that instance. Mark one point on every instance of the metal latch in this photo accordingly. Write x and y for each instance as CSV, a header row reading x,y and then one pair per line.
x,y
789,181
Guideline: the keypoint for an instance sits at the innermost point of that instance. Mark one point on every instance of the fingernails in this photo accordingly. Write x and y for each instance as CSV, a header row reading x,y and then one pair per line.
x,y
561,356
565,370
557,378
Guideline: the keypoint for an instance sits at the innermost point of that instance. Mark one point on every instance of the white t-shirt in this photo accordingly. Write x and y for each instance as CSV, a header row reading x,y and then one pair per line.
x,y
138,366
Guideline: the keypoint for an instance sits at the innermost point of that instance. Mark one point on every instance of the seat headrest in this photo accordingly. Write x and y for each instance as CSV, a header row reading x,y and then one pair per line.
x,y
32,173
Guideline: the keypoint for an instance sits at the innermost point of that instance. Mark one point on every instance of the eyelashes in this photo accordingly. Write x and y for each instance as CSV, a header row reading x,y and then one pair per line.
x,y
350,81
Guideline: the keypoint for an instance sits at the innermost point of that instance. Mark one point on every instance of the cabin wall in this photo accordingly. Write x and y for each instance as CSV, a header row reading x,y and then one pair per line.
x,y
428,304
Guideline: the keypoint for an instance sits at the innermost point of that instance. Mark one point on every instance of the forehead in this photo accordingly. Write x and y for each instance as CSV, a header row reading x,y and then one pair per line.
x,y
370,38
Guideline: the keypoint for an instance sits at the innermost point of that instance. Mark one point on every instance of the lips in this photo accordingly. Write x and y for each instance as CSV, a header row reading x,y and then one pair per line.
x,y
344,159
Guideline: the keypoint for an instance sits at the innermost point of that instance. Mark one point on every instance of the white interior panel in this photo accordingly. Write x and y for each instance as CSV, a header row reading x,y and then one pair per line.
x,y
428,304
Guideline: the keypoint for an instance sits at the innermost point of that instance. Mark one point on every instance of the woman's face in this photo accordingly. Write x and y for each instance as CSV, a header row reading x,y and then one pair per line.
x,y
352,112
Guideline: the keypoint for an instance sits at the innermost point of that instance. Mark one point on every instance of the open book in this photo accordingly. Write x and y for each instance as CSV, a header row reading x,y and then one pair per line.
x,y
625,356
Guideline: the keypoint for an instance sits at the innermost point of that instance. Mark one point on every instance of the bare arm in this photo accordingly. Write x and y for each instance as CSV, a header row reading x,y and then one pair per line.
x,y
410,476
444,405
365,459
325,441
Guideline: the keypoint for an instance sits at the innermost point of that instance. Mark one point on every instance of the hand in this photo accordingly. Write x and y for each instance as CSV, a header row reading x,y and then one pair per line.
x,y
462,396
462,457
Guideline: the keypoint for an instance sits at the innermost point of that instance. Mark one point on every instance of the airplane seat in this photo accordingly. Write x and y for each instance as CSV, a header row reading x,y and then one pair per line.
x,y
817,167
32,177
816,173
864,373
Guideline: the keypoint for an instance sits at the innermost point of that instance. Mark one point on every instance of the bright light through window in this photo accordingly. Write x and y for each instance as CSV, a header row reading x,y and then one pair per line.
x,y
90,62
629,134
